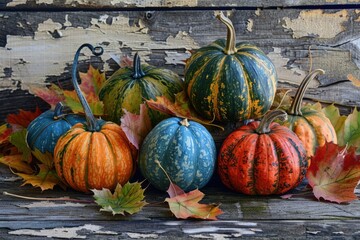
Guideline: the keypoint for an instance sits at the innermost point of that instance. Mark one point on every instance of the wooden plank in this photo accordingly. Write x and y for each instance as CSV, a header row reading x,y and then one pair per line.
x,y
129,4
36,49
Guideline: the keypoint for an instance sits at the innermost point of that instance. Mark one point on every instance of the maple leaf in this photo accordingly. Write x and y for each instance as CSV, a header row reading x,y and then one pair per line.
x,y
334,173
282,99
91,81
46,178
16,162
126,199
136,127
180,108
352,129
354,80
51,95
5,132
337,120
22,119
72,101
186,205
18,139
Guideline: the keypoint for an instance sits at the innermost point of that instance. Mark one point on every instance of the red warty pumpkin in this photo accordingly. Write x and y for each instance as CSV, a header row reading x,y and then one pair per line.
x,y
262,158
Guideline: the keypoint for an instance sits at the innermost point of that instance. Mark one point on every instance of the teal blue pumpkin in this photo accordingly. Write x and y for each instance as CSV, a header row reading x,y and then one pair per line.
x,y
45,130
185,149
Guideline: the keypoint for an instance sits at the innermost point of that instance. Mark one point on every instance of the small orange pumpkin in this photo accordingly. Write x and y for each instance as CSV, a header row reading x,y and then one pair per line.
x,y
96,154
312,127
262,158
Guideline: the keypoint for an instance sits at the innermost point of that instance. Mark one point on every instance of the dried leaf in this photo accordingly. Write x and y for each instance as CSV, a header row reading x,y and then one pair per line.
x,y
51,95
18,139
46,178
334,173
136,127
16,162
354,80
46,158
22,119
127,199
187,206
180,108
282,99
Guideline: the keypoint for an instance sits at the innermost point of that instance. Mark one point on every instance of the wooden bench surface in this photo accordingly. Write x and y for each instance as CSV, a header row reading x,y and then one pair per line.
x,y
244,216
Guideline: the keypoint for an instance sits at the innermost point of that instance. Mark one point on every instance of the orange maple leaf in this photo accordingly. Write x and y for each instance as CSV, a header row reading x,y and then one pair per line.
x,y
334,173
16,162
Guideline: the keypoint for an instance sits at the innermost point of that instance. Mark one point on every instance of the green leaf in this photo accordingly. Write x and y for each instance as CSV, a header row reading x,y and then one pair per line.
x,y
126,199
18,139
352,129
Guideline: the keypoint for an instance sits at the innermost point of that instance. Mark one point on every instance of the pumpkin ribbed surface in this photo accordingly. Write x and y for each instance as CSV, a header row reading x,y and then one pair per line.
x,y
230,82
187,153
262,164
44,131
94,160
124,90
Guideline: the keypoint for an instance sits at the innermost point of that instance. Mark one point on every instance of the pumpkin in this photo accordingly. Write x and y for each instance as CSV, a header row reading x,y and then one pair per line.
x,y
44,131
128,87
185,150
311,126
262,158
228,81
96,154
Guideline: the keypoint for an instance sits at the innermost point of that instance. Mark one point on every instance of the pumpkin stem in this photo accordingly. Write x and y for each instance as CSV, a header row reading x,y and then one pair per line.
x,y
138,72
295,108
59,110
230,47
185,122
264,126
90,119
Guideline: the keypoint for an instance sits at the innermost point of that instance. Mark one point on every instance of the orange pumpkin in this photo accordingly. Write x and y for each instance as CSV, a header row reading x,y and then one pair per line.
x,y
262,158
96,154
311,126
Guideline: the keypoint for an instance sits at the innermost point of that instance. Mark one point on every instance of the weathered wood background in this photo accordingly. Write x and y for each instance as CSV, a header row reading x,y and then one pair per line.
x,y
38,39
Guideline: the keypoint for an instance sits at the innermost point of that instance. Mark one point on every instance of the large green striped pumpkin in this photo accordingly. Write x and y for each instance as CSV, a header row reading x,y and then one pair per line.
x,y
128,87
228,81
184,149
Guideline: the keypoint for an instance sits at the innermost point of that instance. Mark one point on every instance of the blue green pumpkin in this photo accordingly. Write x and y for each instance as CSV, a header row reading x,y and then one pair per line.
x,y
45,130
185,149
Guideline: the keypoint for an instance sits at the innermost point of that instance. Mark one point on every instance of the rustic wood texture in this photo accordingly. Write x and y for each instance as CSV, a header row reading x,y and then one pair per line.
x,y
69,4
244,216
37,48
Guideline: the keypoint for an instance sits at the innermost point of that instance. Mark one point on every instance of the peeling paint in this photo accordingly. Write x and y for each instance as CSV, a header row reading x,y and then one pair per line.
x,y
292,74
176,58
257,12
65,233
48,204
44,1
250,24
213,229
317,23
14,3
141,235
48,55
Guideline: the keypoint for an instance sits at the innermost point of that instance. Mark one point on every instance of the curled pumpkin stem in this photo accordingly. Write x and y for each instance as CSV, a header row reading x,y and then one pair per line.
x,y
231,37
295,108
90,119
269,117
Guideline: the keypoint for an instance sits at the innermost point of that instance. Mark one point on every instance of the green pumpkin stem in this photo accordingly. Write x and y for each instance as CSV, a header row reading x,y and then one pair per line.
x,y
269,117
138,72
230,47
295,108
90,119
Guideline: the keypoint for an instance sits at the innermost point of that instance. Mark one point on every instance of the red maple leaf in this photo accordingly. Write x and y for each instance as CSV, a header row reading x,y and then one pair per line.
x,y
23,118
334,173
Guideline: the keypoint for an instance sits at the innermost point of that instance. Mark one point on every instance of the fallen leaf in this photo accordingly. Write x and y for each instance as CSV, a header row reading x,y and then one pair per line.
x,y
334,173
22,119
16,162
187,206
337,120
5,132
136,127
282,99
52,95
18,139
126,199
92,81
179,108
46,178
46,158
352,129
126,61
354,80
72,101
